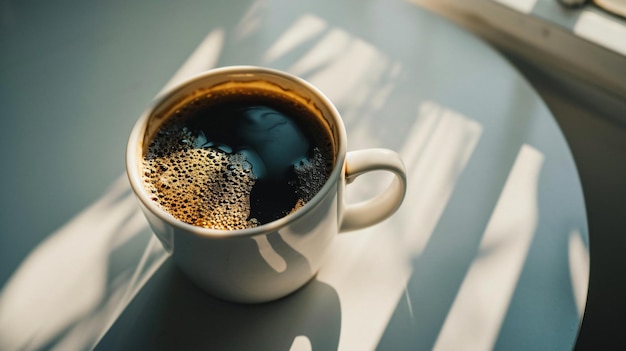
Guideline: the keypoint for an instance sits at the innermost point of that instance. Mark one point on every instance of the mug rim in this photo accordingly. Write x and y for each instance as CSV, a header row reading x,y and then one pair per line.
x,y
134,153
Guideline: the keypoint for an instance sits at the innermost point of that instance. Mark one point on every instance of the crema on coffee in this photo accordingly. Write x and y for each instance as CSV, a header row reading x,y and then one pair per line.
x,y
237,158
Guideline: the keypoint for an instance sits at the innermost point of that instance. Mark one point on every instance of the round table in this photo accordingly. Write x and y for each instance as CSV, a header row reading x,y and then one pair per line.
x,y
488,251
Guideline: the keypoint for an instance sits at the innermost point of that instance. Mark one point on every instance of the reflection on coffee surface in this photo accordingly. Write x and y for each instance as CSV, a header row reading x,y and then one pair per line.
x,y
237,158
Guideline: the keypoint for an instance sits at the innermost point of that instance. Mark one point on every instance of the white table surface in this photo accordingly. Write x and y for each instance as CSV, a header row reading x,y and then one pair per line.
x,y
489,250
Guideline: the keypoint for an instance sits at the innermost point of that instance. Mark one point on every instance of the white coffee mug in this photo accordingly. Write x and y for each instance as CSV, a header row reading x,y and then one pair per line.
x,y
274,259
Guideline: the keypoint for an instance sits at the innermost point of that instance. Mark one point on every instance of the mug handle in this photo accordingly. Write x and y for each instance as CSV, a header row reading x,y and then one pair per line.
x,y
383,205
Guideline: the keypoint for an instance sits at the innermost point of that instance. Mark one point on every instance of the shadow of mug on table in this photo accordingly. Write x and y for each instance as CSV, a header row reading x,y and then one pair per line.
x,y
170,313
226,263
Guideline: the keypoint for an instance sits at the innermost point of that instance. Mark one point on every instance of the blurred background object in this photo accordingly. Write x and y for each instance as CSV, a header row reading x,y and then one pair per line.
x,y
617,7
574,3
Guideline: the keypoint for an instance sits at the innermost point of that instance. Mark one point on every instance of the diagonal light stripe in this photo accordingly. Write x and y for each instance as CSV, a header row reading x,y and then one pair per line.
x,y
204,57
302,30
578,258
476,316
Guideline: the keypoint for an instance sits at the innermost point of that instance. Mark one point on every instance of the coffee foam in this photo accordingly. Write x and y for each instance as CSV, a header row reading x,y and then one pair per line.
x,y
311,175
203,187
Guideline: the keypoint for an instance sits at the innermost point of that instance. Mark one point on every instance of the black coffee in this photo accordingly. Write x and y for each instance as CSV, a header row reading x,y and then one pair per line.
x,y
237,158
